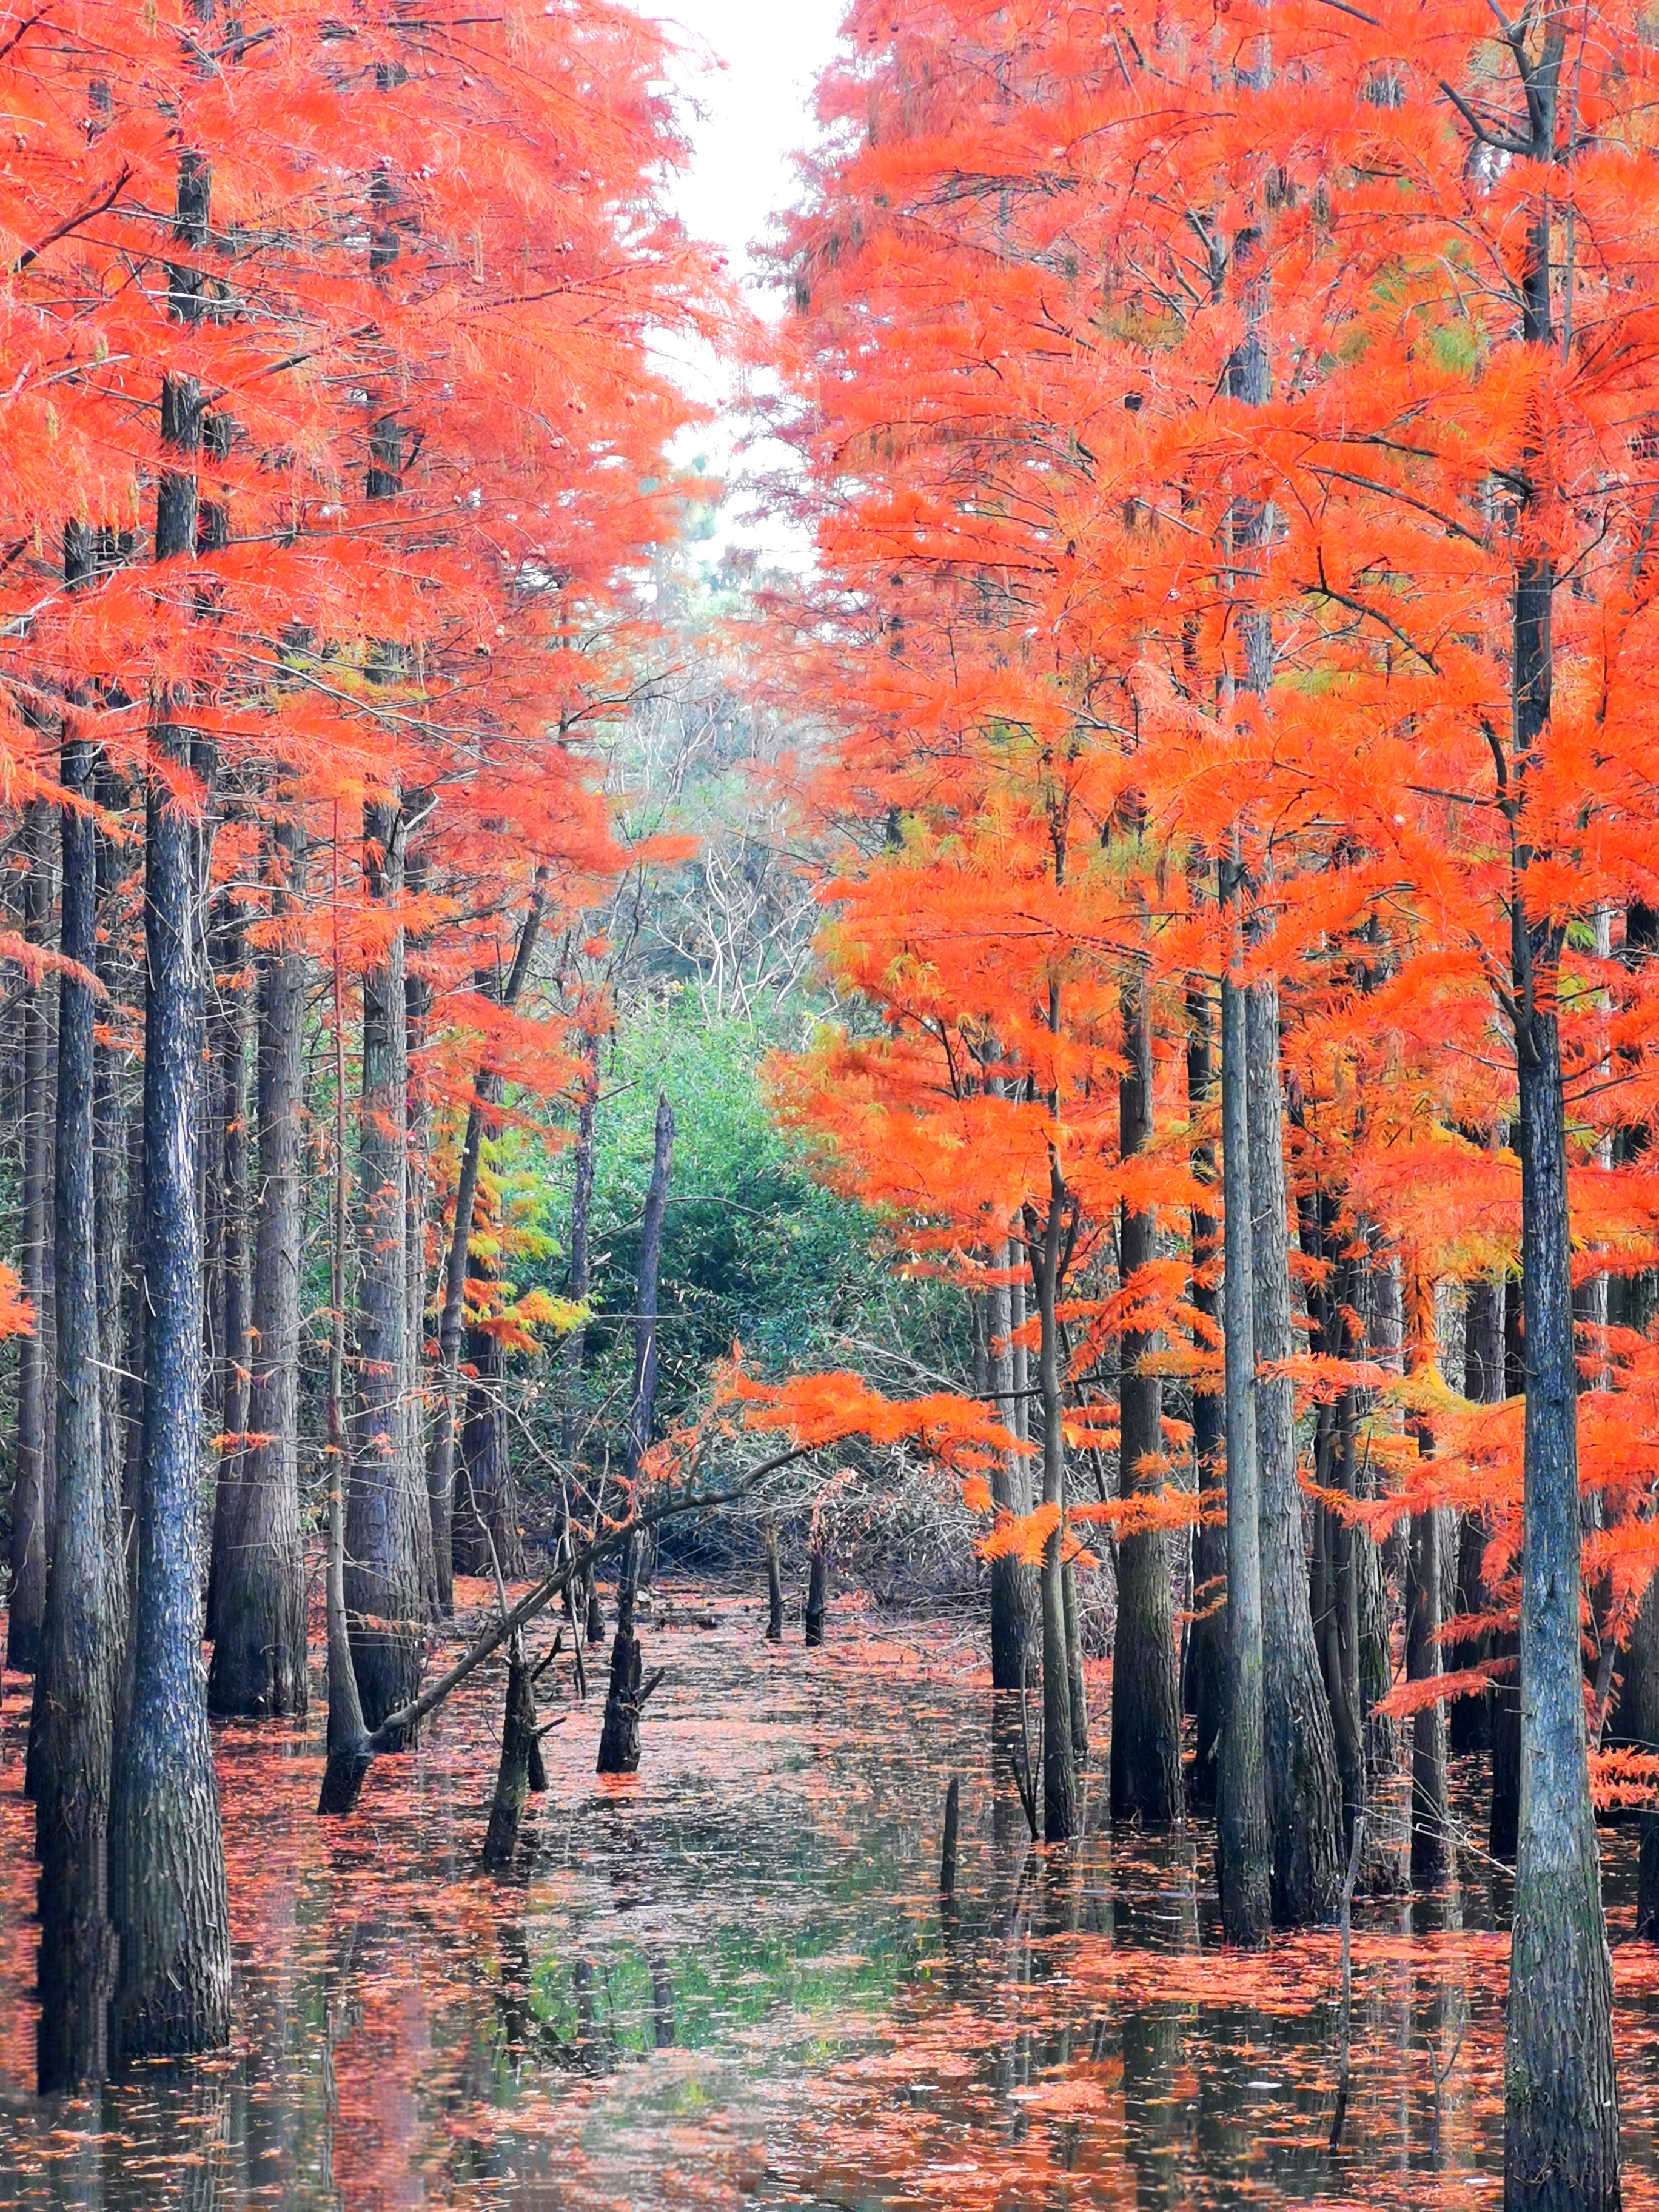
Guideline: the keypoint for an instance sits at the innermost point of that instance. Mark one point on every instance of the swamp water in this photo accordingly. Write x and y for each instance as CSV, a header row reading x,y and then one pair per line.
x,y
729,1982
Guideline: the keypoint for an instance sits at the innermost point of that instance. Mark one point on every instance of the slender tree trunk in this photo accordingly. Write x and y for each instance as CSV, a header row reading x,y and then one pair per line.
x,y
817,1591
228,1036
1561,2106
1146,1753
518,1748
80,1656
32,1501
1207,1647
388,1524
1431,1810
573,1350
167,1853
1335,1608
619,1734
1560,2091
484,1525
774,1587
1469,1723
1244,1843
1303,1797
619,1743
259,1667
1060,1778
349,1756
110,1194
1013,1594
487,1090
1076,1686
417,1116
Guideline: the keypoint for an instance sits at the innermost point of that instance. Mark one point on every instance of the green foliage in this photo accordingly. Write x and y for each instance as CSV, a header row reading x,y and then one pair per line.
x,y
755,1251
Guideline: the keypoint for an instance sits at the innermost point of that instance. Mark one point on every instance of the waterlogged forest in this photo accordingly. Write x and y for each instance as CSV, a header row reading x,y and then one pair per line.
x,y
830,1375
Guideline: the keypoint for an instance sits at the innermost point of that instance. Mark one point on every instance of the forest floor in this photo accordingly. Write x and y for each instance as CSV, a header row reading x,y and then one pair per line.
x,y
729,1981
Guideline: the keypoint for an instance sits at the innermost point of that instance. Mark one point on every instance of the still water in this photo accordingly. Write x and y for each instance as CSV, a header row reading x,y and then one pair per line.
x,y
730,1982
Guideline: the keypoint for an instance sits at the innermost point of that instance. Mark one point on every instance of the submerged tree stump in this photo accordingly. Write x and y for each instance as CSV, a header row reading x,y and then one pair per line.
x,y
619,1738
773,1589
817,1594
519,1750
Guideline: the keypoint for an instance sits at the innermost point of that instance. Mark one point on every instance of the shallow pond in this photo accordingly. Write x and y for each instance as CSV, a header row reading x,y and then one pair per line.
x,y
729,1982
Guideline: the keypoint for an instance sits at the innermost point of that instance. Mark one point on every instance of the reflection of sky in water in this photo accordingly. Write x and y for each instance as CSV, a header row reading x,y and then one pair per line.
x,y
730,1984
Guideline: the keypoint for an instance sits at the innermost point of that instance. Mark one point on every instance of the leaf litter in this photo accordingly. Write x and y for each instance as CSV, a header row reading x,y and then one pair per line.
x,y
733,1984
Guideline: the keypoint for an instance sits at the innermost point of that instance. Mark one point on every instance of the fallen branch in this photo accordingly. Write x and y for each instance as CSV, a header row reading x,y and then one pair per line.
x,y
351,1755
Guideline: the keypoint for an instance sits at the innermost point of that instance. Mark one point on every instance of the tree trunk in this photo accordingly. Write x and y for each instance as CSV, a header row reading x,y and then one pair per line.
x,y
1059,1780
619,1741
1146,1752
1430,1812
1561,2106
573,1350
619,1736
440,1600
484,1522
32,1500
388,1523
110,1194
167,1853
1013,1592
773,1589
1206,1645
227,1044
1469,1723
80,1655
817,1591
1304,1798
1076,1686
519,1746
1243,1845
348,1758
258,1668
1335,1607
441,1466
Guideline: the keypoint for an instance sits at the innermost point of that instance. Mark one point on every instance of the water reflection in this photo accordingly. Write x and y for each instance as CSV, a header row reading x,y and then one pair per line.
x,y
731,1983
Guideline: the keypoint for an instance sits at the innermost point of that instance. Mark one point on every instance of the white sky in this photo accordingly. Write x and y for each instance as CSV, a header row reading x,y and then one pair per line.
x,y
750,66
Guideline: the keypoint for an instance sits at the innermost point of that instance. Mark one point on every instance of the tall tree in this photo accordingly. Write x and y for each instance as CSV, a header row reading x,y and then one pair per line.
x,y
76,1684
258,1666
167,1852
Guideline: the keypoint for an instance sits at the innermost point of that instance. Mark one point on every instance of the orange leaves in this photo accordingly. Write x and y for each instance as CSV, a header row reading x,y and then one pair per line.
x,y
1023,1537
1168,1509
17,1313
1407,1698
832,1408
